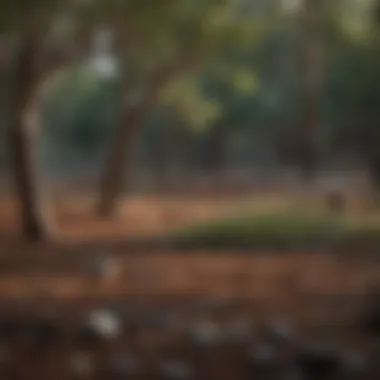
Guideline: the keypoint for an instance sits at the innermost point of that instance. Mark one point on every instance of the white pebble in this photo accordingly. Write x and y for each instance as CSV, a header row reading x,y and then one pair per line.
x,y
105,324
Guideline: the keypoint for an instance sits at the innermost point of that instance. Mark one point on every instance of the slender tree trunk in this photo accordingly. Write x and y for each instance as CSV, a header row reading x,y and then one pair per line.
x,y
311,71
161,157
162,148
216,150
33,223
113,175
187,153
22,139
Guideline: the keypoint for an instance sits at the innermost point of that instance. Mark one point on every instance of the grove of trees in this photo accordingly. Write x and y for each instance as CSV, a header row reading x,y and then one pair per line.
x,y
198,84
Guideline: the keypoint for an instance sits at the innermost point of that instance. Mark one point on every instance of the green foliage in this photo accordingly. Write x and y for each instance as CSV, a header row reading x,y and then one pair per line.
x,y
290,229
185,95
18,16
81,110
238,74
351,100
152,34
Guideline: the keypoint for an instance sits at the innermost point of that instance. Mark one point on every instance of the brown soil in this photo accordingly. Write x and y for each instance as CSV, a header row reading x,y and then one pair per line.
x,y
321,293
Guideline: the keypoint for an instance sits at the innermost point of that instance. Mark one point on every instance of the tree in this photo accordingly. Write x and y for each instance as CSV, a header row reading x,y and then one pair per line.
x,y
32,57
22,140
311,65
166,43
25,79
353,87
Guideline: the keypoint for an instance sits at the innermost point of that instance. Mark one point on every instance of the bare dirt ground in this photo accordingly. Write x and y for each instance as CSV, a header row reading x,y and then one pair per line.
x,y
321,293
135,216
140,216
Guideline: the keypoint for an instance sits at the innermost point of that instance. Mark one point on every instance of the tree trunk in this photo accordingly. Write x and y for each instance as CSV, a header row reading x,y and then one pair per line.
x,y
113,175
311,71
215,150
22,137
161,155
26,184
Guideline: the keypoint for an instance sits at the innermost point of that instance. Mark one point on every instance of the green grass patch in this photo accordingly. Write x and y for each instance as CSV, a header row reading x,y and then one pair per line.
x,y
289,229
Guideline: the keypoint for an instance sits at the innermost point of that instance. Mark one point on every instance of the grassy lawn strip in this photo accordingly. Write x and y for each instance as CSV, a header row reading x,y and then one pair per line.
x,y
291,229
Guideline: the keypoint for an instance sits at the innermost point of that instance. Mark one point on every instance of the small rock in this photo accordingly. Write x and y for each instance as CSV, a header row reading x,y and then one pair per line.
x,y
101,325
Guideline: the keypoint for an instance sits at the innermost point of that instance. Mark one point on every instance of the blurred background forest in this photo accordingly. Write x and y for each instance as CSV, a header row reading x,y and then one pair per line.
x,y
133,131
217,97
238,108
